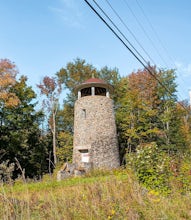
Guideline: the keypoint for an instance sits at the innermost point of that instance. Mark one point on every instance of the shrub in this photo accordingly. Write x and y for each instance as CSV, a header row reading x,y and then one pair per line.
x,y
6,171
181,178
151,166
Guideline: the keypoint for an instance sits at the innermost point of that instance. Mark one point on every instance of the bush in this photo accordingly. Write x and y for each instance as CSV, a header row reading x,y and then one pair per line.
x,y
181,178
151,166
6,171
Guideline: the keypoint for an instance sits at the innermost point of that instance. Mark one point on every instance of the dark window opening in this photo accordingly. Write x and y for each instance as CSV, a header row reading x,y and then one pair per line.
x,y
86,92
85,157
100,91
84,113
83,151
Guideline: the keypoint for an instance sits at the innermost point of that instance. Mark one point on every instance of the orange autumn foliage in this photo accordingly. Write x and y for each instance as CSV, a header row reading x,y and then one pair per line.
x,y
8,72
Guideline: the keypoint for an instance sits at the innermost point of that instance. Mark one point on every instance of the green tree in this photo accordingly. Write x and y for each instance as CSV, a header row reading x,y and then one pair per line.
x,y
137,112
79,71
148,111
65,143
65,118
168,114
20,136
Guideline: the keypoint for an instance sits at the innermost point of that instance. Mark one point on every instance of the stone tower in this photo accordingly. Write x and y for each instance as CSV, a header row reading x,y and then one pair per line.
x,y
95,138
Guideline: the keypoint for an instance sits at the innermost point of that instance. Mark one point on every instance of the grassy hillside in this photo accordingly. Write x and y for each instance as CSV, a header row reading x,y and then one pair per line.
x,y
99,195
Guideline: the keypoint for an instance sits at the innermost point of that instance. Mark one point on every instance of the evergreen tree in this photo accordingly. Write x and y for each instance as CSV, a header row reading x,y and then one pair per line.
x,y
20,136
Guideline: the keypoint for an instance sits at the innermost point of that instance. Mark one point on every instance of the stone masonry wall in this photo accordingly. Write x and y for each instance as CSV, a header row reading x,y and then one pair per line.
x,y
95,131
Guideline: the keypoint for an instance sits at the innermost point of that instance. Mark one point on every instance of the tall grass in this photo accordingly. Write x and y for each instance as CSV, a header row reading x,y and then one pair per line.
x,y
101,195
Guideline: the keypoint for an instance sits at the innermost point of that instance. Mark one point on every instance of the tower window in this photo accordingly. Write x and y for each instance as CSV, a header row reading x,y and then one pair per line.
x,y
84,113
86,92
100,91
85,157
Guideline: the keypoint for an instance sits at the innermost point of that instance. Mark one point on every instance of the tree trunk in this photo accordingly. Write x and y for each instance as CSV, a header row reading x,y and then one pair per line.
x,y
54,137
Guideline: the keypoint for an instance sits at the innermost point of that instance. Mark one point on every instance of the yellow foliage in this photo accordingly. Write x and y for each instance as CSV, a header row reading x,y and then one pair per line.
x,y
7,81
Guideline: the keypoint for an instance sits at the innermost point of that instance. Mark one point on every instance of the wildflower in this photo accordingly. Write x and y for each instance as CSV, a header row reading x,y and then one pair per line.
x,y
154,196
112,211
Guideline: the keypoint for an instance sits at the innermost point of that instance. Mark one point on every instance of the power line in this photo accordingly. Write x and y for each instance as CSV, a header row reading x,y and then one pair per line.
x,y
119,30
122,21
143,29
154,31
125,44
131,51
157,36
129,30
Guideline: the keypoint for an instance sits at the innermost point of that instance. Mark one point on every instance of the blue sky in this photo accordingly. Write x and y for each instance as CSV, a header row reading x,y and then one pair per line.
x,y
43,36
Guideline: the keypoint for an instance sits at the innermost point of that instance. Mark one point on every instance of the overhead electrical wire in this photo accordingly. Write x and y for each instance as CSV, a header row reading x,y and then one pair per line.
x,y
154,31
140,61
144,31
157,37
122,21
132,34
127,47
119,31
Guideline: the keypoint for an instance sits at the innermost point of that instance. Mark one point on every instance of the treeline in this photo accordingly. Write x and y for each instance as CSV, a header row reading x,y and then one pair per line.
x,y
32,142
